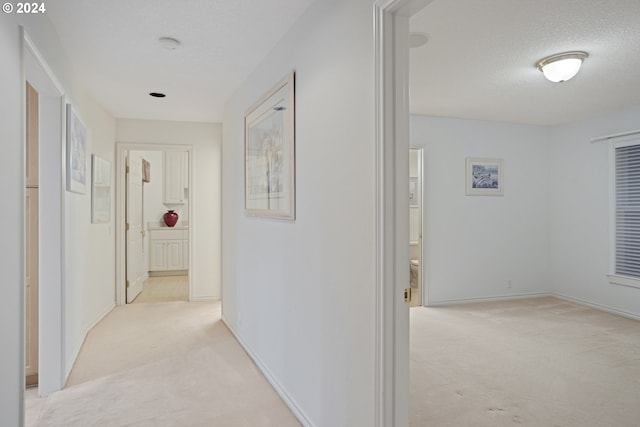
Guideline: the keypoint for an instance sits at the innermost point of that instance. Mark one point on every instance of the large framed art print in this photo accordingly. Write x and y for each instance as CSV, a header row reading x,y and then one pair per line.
x,y
270,153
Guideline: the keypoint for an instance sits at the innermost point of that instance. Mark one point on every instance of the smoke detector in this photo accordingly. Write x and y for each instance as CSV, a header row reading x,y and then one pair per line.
x,y
169,43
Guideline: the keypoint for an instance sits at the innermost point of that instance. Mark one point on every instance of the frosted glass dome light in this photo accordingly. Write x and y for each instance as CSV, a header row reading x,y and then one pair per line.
x,y
561,67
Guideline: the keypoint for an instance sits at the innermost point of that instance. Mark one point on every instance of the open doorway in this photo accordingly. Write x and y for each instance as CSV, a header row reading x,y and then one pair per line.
x,y
44,108
31,237
392,173
416,218
154,223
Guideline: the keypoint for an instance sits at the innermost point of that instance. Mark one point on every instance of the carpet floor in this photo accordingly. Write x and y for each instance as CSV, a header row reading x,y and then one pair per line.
x,y
164,364
534,362
164,289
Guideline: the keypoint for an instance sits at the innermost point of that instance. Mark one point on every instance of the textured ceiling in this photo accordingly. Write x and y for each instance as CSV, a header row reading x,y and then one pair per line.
x,y
113,45
480,60
478,63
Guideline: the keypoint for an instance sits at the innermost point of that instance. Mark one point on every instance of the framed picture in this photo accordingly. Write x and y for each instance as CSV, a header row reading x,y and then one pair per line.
x,y
100,190
76,153
485,177
270,153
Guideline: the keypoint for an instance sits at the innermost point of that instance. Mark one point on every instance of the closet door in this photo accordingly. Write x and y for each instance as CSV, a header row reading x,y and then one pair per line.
x,y
31,233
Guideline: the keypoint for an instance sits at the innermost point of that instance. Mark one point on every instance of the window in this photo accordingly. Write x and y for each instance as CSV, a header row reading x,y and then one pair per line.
x,y
626,213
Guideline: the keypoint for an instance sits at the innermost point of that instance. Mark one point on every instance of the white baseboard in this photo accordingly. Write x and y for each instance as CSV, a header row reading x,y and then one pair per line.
x,y
488,299
288,400
167,273
205,299
598,306
76,352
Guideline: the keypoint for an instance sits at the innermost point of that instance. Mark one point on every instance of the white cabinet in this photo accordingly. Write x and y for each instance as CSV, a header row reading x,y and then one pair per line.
x,y
168,249
174,177
185,252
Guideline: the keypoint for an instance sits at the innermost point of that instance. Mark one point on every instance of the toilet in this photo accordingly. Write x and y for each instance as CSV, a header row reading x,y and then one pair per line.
x,y
414,265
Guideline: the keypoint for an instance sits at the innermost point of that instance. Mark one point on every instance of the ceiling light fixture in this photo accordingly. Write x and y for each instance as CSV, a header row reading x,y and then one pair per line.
x,y
169,43
157,94
562,66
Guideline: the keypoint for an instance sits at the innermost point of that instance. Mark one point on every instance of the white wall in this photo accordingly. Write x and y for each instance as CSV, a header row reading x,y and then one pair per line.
x,y
204,193
89,270
475,244
90,248
300,294
552,225
580,215
11,186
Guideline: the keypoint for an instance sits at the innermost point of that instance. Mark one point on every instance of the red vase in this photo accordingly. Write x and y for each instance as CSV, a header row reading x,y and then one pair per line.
x,y
170,218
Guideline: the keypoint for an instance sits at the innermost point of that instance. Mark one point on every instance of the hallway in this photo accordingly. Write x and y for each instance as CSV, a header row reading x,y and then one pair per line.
x,y
162,364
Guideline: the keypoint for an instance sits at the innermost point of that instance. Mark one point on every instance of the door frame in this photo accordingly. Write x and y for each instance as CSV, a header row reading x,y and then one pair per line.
x,y
52,193
424,295
121,150
391,69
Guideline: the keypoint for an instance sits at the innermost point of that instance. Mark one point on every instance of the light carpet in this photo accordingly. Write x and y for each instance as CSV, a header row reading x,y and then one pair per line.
x,y
166,364
164,289
534,362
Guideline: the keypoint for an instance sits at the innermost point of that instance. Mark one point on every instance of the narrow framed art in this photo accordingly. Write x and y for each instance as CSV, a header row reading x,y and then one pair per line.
x,y
485,177
77,157
100,190
270,153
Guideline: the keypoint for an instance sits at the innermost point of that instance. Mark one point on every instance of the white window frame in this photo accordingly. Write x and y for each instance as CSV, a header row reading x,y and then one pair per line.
x,y
617,279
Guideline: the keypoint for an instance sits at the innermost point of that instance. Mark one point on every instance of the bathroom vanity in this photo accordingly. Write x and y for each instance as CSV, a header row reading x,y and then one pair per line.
x,y
168,249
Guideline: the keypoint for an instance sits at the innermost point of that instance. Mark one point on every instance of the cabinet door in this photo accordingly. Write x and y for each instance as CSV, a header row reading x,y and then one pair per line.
x,y
173,177
157,255
174,254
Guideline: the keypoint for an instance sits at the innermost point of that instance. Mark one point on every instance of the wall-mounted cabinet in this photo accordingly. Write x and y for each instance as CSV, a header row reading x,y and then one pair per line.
x,y
175,177
169,249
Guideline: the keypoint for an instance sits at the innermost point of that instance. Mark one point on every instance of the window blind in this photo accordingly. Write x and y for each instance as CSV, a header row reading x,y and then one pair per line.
x,y
627,215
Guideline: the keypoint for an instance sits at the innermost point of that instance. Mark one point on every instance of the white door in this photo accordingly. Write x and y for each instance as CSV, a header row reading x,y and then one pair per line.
x,y
135,250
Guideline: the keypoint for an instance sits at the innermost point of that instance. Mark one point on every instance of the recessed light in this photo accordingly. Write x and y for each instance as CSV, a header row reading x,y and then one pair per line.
x,y
169,43
157,94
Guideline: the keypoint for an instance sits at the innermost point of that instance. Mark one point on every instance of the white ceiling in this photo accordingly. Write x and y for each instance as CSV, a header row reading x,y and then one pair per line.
x,y
480,60
478,63
113,45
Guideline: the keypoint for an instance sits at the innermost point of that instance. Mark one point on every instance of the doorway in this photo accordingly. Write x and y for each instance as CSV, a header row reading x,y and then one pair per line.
x,y
416,219
153,252
391,30
31,237
47,192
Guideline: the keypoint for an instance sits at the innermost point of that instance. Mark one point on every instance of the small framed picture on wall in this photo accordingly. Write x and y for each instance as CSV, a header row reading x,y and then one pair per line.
x,y
485,177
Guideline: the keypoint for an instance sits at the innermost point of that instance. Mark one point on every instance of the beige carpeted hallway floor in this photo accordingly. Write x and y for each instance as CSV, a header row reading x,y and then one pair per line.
x,y
162,364
533,362
164,289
